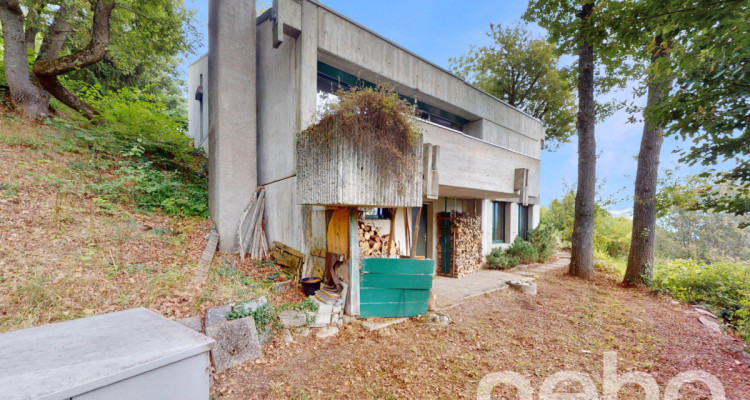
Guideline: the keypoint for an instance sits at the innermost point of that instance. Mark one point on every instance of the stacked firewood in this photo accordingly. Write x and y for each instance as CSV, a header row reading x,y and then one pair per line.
x,y
372,243
466,244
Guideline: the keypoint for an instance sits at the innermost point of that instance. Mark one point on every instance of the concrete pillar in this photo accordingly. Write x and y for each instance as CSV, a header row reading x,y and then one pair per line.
x,y
232,174
535,215
487,225
513,220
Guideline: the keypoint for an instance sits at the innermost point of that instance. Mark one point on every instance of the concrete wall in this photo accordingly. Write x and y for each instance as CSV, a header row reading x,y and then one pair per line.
x,y
471,168
478,164
344,43
232,163
278,106
197,120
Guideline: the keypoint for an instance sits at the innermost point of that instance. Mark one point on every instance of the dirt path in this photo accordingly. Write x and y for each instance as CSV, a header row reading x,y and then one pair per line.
x,y
567,326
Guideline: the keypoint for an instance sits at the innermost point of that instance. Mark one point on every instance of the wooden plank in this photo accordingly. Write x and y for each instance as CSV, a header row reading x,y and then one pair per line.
x,y
398,266
395,281
354,264
390,310
337,234
377,295
391,233
416,233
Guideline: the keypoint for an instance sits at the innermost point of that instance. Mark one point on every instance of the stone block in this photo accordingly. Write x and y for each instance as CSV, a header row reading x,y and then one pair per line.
x,y
236,343
193,323
216,315
251,305
321,320
380,323
323,308
327,332
290,318
523,286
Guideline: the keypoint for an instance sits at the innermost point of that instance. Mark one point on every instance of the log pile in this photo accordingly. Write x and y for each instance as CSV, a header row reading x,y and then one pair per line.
x,y
466,244
372,243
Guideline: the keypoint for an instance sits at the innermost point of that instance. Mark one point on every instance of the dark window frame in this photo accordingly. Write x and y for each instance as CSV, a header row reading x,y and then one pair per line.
x,y
498,214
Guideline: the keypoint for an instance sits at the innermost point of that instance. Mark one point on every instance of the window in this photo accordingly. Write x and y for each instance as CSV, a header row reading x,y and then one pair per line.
x,y
523,221
498,222
331,79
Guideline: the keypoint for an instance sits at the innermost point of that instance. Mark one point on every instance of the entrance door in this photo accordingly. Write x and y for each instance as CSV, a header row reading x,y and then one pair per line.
x,y
421,249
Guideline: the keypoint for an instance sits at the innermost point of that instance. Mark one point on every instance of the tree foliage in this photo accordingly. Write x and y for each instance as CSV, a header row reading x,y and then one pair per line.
x,y
135,38
710,102
523,71
689,232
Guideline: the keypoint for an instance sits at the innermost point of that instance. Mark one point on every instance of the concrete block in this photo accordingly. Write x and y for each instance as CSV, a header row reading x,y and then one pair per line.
x,y
236,343
193,323
380,323
216,315
251,305
321,320
327,332
291,318
527,287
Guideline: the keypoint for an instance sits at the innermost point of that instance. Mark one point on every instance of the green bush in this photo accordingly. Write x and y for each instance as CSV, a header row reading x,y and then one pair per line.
x,y
724,288
151,189
130,115
498,259
524,251
146,149
544,240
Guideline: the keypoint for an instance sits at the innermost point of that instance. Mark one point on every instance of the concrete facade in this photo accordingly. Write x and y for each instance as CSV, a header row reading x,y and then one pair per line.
x,y
477,165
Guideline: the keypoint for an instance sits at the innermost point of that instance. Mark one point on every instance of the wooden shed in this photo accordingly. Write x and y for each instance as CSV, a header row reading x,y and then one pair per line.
x,y
346,176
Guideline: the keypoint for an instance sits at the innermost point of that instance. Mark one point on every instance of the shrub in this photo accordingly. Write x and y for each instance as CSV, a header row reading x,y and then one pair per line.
x,y
130,115
523,251
544,240
144,146
498,259
723,287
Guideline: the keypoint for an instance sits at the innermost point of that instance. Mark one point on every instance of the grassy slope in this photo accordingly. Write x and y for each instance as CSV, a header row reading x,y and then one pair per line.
x,y
67,253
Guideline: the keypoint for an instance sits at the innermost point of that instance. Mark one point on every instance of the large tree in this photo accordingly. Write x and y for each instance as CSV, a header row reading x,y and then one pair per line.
x,y
577,29
663,35
643,236
75,34
523,71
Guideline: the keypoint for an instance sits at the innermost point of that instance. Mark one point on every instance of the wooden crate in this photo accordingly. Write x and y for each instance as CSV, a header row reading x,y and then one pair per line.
x,y
393,287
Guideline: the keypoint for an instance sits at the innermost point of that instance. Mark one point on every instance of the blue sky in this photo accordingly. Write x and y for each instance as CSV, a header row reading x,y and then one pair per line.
x,y
439,29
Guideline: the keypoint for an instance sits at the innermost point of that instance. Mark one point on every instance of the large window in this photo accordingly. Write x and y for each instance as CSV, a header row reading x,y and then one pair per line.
x,y
498,222
523,221
331,79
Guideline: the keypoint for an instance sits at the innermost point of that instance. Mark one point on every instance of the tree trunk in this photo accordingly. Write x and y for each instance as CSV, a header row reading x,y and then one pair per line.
x,y
643,238
582,241
24,94
48,70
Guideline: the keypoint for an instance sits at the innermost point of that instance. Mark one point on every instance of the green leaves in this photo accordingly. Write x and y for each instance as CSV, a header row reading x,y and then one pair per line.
x,y
523,71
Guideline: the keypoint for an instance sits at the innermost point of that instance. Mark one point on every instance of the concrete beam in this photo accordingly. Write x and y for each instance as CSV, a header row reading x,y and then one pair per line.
x,y
232,175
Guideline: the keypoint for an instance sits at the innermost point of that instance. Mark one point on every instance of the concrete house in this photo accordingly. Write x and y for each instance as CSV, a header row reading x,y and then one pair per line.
x,y
481,156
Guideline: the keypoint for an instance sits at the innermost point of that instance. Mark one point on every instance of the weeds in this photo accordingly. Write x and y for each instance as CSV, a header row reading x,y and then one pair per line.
x,y
723,287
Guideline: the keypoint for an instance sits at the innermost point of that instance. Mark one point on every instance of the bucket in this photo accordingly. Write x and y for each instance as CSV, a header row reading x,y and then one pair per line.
x,y
310,285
